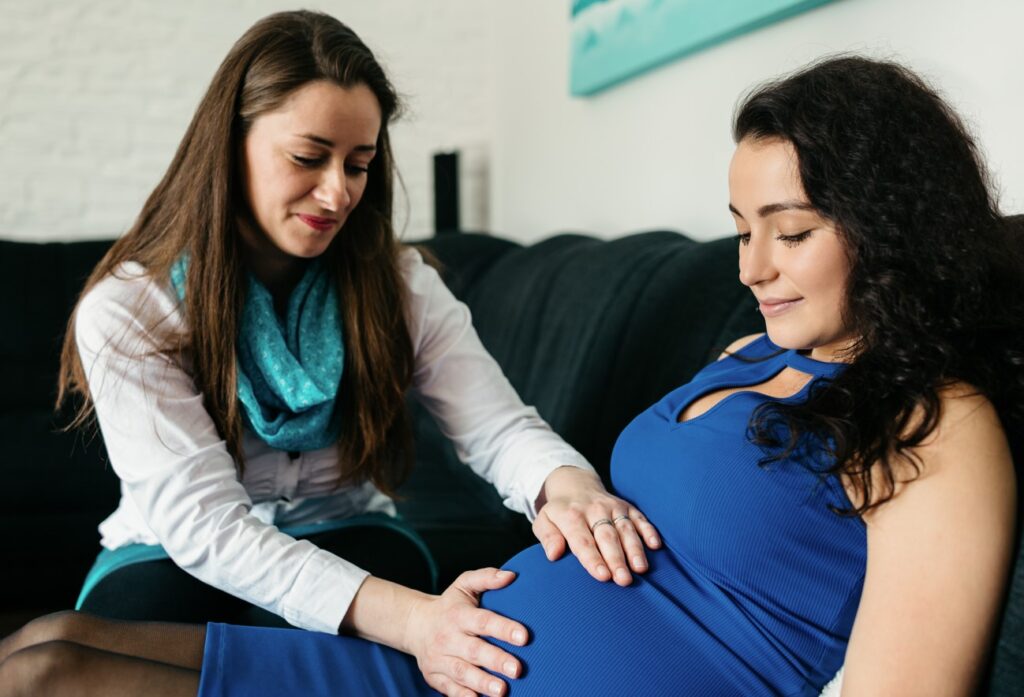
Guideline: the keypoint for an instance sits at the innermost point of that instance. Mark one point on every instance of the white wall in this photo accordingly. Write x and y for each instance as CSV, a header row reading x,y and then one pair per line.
x,y
97,94
653,152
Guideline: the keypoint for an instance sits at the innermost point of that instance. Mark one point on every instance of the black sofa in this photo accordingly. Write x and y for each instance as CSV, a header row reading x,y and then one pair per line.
x,y
589,331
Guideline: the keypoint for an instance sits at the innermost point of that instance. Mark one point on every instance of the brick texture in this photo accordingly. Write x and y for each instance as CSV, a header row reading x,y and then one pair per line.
x,y
97,95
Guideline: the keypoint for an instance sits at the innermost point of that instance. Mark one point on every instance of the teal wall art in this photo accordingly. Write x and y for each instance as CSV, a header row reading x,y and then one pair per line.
x,y
614,40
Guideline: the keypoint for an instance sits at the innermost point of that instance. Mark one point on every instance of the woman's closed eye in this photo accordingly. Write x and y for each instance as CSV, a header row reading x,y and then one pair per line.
x,y
793,240
314,162
788,240
308,162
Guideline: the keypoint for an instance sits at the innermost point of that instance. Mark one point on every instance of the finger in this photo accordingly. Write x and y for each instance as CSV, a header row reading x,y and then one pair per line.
x,y
647,531
480,653
578,535
480,622
446,686
469,676
477,581
631,543
610,545
550,537
576,532
582,544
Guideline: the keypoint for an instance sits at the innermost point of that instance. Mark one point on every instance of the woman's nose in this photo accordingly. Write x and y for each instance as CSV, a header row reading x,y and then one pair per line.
x,y
756,262
332,191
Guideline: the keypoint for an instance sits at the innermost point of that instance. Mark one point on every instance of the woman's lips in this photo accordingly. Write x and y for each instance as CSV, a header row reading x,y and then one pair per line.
x,y
774,308
317,223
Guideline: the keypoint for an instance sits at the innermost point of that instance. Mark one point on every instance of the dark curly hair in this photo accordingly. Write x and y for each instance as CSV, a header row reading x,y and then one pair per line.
x,y
934,288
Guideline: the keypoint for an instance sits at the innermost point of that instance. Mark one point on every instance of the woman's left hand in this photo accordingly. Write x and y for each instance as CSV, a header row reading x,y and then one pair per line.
x,y
602,530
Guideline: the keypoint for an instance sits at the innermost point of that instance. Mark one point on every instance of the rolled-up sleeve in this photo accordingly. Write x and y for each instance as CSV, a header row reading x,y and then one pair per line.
x,y
463,387
177,472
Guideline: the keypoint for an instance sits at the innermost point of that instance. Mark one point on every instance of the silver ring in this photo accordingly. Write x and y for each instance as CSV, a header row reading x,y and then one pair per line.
x,y
603,521
622,517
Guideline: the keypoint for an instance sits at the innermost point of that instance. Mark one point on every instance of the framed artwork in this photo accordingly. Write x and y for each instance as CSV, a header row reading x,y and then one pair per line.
x,y
614,40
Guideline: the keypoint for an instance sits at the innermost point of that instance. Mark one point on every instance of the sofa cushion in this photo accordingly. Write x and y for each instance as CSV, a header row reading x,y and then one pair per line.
x,y
589,331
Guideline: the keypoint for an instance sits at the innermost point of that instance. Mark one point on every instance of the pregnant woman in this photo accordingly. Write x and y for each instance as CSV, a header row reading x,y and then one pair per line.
x,y
838,490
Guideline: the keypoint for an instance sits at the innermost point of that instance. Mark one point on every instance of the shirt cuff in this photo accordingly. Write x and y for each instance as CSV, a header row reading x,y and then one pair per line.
x,y
322,593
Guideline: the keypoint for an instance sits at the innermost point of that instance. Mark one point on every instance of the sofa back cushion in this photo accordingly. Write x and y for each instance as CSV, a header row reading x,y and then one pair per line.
x,y
57,486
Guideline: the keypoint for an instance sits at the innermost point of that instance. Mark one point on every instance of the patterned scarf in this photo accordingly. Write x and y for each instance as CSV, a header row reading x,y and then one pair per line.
x,y
289,370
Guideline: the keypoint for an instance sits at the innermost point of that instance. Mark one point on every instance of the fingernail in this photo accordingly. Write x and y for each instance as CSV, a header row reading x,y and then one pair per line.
x,y
653,541
519,636
510,669
495,688
639,563
602,570
622,575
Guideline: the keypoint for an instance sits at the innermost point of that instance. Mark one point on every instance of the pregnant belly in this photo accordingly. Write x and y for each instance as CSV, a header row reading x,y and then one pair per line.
x,y
593,638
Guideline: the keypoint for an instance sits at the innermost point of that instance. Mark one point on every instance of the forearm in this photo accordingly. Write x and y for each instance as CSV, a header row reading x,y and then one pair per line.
x,y
380,612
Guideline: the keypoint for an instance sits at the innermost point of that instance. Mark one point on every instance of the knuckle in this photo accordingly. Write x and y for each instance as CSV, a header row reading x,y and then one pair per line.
x,y
482,622
458,669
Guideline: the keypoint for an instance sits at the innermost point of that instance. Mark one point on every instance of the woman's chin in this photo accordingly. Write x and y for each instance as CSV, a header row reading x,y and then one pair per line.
x,y
309,247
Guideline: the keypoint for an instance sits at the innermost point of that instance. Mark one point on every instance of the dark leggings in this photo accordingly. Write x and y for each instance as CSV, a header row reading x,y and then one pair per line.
x,y
160,591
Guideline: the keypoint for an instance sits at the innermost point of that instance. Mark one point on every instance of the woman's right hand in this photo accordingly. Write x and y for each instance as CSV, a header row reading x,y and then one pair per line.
x,y
444,634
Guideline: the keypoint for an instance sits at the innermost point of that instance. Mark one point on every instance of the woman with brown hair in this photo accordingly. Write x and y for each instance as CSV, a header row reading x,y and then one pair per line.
x,y
247,347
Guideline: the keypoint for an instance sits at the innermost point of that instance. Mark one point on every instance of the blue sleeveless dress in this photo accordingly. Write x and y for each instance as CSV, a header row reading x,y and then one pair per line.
x,y
754,591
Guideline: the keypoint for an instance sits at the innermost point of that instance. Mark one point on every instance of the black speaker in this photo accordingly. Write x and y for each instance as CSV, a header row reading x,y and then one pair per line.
x,y
446,192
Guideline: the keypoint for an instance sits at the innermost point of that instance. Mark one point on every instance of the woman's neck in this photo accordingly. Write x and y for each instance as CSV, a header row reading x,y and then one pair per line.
x,y
278,272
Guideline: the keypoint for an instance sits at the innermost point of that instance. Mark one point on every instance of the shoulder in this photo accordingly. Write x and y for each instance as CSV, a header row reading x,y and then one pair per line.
x,y
126,302
425,290
740,344
962,473
968,440
420,277
967,453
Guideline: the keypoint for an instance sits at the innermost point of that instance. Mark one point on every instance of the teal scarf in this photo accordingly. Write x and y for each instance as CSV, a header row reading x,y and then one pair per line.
x,y
288,373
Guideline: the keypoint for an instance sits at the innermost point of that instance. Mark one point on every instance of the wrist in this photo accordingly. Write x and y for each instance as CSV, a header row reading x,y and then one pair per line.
x,y
566,478
411,618
384,612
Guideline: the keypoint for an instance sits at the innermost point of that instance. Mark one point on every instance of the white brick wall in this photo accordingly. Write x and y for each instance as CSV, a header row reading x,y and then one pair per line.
x,y
96,95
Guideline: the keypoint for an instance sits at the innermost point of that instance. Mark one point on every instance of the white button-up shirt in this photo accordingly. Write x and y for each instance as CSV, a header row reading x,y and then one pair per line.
x,y
180,487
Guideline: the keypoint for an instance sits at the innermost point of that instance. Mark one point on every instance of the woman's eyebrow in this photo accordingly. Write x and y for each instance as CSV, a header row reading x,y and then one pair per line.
x,y
320,140
772,208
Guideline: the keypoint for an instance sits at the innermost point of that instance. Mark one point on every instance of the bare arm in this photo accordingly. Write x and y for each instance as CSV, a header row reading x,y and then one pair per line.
x,y
938,557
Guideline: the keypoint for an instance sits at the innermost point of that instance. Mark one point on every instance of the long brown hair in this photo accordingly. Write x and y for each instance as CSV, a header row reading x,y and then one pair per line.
x,y
197,207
